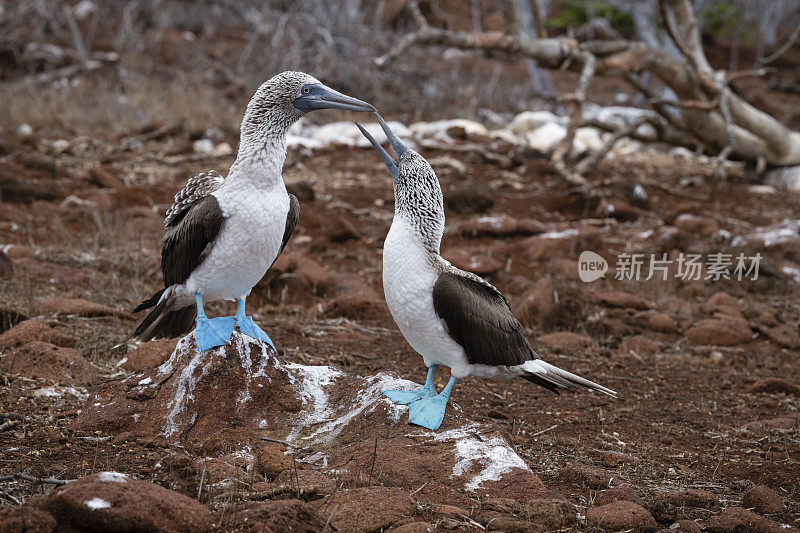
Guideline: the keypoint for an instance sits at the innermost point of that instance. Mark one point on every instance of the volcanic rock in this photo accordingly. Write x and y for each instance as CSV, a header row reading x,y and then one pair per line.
x,y
763,500
565,341
564,243
472,262
110,501
736,519
617,299
590,476
149,355
619,515
44,360
79,307
26,519
283,515
719,332
768,385
34,330
623,492
469,197
536,302
221,401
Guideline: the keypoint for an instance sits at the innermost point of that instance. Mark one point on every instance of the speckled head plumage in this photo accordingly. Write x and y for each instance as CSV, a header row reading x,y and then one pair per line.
x,y
417,193
281,100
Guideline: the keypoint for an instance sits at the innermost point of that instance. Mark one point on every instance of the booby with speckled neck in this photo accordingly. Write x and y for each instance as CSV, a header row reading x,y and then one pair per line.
x,y
449,316
223,234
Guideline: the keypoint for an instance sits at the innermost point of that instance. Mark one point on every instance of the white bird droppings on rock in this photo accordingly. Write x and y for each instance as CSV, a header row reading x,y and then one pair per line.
x,y
97,503
112,477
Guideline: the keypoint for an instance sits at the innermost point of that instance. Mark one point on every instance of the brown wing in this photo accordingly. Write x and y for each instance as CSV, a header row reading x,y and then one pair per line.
x,y
478,318
190,239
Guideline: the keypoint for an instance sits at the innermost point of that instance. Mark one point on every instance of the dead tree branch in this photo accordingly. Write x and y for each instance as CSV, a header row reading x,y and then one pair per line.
x,y
697,115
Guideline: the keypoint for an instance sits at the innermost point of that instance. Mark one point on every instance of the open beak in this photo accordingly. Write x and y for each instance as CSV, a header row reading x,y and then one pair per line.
x,y
397,145
320,96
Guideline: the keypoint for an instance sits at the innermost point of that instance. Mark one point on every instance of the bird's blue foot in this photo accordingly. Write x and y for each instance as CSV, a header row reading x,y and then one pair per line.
x,y
429,412
405,397
212,332
248,326
251,329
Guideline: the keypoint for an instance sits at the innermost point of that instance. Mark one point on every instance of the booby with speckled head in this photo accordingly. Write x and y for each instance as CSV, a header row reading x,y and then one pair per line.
x,y
223,234
449,316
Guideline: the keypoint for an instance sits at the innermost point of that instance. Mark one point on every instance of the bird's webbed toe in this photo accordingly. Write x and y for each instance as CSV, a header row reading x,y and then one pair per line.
x,y
428,412
248,326
213,332
405,397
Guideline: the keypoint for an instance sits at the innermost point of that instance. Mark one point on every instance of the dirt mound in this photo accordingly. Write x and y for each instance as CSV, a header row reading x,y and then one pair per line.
x,y
223,402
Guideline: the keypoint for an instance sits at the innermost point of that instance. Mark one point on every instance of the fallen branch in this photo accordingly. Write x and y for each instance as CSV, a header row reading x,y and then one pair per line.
x,y
43,480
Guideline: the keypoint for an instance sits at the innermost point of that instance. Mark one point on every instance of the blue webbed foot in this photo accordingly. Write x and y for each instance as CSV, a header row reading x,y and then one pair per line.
x,y
428,412
251,329
212,332
404,397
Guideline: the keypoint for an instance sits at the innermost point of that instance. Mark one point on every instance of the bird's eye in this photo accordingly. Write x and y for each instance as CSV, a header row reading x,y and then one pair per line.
x,y
306,90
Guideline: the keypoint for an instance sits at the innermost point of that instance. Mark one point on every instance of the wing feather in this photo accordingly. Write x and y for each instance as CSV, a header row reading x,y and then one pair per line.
x,y
187,242
196,189
479,318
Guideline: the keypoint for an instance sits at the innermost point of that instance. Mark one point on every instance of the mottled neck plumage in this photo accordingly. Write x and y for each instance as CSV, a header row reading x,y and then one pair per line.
x,y
262,142
418,198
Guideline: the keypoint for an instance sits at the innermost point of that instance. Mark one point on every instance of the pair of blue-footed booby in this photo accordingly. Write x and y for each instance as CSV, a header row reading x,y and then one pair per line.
x,y
450,317
223,234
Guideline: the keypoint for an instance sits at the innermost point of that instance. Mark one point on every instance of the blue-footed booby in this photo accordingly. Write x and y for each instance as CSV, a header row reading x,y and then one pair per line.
x,y
450,317
223,234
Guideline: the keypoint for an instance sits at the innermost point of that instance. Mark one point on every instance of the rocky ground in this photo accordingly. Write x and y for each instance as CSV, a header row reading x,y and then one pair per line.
x,y
706,434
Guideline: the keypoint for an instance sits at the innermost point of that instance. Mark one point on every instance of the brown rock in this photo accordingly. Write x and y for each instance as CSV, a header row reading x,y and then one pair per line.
x,y
271,459
367,509
108,501
449,511
697,225
617,299
722,305
34,330
784,334
563,243
44,360
619,515
283,515
79,307
300,271
737,519
763,500
6,264
304,190
104,176
535,302
698,499
590,476
661,322
768,385
551,515
565,341
149,355
719,332
781,423
618,209
342,230
638,344
26,519
498,226
473,262
469,197
621,493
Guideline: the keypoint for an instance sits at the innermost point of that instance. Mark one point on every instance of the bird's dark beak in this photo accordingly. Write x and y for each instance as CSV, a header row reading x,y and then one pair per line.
x,y
318,96
390,163
397,145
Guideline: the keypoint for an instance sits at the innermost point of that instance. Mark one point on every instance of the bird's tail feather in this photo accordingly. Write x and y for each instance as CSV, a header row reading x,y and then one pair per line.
x,y
150,302
165,322
553,378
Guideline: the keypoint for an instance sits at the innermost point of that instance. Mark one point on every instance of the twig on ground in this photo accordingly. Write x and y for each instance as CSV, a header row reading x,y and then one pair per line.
x,y
43,480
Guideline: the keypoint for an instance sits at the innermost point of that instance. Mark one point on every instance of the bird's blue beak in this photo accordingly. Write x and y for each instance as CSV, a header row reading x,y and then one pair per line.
x,y
397,145
316,96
